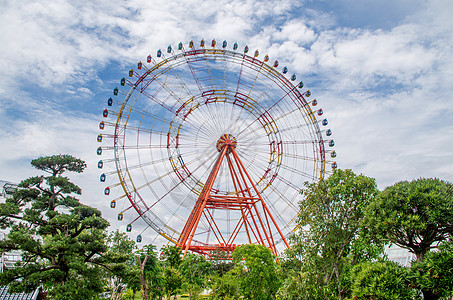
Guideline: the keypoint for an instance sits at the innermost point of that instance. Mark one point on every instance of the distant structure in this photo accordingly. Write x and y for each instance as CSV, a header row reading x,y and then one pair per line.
x,y
400,255
10,259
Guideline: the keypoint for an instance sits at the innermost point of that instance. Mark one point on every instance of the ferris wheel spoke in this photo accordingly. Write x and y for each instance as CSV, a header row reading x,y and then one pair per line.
x,y
175,186
272,106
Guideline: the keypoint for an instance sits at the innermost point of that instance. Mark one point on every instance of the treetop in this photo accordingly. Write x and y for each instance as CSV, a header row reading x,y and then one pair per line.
x,y
57,164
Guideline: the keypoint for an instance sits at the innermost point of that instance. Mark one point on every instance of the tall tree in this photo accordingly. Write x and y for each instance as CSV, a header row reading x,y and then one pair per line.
x,y
60,238
171,255
329,221
258,274
415,215
151,277
119,262
194,269
434,275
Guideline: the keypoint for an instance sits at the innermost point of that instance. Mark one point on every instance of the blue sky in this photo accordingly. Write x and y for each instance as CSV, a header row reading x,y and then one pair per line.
x,y
381,70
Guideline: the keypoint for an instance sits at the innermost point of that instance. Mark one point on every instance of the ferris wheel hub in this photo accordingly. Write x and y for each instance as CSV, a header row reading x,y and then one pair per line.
x,y
226,140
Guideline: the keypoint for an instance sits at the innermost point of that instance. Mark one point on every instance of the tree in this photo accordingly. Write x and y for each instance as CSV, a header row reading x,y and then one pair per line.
x,y
151,277
258,273
434,275
61,239
173,281
119,262
415,215
220,263
171,255
194,269
225,287
330,239
381,280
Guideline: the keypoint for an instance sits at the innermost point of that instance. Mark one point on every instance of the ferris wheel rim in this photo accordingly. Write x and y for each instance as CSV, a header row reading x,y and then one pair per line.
x,y
124,175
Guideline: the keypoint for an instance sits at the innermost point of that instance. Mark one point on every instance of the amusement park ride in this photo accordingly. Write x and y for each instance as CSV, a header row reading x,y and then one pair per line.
x,y
210,147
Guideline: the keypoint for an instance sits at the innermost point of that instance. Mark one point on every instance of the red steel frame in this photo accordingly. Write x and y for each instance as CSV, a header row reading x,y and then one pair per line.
x,y
257,223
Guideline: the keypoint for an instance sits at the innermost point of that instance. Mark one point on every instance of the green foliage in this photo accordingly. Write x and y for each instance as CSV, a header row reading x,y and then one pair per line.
x,y
194,269
60,239
225,287
330,239
119,262
173,281
434,275
220,264
383,280
414,215
258,273
301,286
152,277
58,164
171,255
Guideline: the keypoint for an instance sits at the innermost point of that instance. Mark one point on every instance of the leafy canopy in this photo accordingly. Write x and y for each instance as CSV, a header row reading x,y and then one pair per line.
x,y
258,273
415,215
60,239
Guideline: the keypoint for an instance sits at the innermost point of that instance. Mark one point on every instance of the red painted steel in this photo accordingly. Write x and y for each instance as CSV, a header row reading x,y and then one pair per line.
x,y
257,220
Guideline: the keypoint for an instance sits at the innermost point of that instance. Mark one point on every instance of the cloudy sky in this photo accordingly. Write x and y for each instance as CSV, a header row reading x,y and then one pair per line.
x,y
381,70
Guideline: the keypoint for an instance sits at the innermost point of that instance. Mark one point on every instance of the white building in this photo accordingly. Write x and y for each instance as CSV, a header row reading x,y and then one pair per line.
x,y
11,258
400,255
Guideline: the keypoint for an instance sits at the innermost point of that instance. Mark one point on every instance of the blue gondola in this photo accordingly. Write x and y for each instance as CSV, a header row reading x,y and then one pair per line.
x,y
224,44
293,77
325,122
159,53
329,132
100,164
285,70
110,101
169,49
102,178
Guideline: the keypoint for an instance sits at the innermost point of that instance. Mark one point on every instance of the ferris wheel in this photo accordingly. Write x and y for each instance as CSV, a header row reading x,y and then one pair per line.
x,y
211,146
